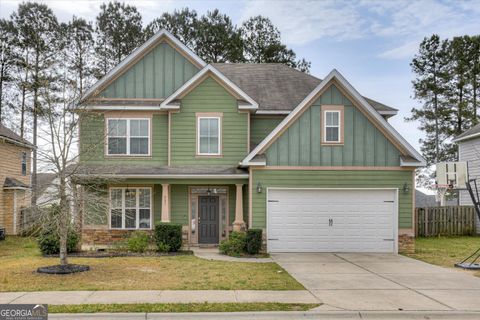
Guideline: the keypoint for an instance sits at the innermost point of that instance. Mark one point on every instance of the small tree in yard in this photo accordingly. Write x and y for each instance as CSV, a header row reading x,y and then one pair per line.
x,y
58,153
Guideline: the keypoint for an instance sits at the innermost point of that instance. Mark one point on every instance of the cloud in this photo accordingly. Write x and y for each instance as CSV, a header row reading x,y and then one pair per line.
x,y
399,25
301,22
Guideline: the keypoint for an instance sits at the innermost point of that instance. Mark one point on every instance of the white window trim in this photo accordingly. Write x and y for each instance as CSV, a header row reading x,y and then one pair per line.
x,y
219,135
128,154
137,208
325,126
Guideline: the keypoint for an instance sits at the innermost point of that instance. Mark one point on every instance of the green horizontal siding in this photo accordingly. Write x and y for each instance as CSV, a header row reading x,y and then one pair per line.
x,y
261,126
157,75
364,144
179,204
209,96
92,137
332,179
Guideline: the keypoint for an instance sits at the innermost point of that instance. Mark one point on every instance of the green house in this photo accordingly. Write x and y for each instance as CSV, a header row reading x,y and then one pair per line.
x,y
225,147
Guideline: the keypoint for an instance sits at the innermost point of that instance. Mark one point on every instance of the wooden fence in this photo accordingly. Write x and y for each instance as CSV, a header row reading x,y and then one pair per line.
x,y
446,221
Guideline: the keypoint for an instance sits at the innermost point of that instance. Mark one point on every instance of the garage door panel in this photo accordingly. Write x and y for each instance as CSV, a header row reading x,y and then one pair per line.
x,y
331,220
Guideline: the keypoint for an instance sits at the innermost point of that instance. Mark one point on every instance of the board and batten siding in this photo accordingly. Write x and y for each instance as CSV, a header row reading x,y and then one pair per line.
x,y
156,76
364,144
332,179
93,137
261,126
209,96
469,151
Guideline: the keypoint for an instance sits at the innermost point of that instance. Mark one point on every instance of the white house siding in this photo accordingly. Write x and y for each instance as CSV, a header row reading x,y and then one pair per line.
x,y
469,151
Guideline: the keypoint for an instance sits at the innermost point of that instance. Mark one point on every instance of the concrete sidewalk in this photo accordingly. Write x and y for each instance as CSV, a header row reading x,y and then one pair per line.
x,y
448,315
157,296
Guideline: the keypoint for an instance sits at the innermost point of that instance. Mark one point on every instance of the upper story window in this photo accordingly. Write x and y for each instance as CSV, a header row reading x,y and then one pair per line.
x,y
130,208
128,136
24,163
209,135
332,124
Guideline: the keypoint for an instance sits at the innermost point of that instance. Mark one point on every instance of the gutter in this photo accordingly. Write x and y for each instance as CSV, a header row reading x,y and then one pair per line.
x,y
167,176
18,143
471,136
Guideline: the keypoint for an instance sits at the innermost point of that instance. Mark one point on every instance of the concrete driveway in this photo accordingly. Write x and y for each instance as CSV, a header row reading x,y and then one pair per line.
x,y
381,282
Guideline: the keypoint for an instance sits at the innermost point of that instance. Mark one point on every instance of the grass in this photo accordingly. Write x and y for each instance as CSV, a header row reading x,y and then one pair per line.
x,y
181,307
445,251
20,258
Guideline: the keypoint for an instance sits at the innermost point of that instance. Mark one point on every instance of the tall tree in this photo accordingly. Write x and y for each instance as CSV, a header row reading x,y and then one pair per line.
x,y
181,23
458,86
430,69
118,32
39,36
474,74
218,39
79,51
7,59
262,44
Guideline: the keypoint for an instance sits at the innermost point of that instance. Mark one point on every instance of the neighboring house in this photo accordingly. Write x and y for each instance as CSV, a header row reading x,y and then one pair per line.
x,y
15,178
223,147
47,189
469,151
423,200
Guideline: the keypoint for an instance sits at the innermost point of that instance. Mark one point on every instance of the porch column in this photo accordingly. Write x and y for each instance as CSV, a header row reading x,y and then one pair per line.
x,y
239,224
165,202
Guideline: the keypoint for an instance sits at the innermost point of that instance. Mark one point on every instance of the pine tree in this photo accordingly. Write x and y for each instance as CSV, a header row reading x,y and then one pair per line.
x,y
218,39
430,68
79,51
182,24
39,37
118,33
7,60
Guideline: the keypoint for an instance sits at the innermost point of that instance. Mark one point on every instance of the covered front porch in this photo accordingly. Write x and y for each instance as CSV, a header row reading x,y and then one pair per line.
x,y
208,208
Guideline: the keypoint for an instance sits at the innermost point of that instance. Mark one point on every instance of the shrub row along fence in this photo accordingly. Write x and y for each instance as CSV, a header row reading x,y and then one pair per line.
x,y
445,221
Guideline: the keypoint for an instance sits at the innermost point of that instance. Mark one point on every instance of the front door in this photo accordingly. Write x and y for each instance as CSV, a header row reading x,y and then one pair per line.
x,y
208,220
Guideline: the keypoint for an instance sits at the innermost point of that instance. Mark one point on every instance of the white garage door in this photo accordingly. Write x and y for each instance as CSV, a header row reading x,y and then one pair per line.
x,y
331,220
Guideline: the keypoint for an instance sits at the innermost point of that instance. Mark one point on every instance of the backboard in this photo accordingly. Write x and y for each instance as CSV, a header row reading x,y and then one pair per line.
x,y
452,173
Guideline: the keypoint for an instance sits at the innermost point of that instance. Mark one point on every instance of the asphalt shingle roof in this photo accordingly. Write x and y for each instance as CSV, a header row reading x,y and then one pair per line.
x,y
14,183
9,134
157,170
473,130
275,86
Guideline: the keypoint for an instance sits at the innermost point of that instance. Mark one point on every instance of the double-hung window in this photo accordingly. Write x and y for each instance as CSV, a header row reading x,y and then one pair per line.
x,y
332,126
209,135
130,208
24,163
128,136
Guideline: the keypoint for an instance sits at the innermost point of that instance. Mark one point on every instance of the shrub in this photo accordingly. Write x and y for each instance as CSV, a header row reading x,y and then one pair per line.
x,y
49,241
163,247
168,234
235,245
253,241
138,241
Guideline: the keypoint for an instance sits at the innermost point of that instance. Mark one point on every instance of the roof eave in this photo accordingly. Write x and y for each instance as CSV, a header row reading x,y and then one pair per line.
x,y
467,137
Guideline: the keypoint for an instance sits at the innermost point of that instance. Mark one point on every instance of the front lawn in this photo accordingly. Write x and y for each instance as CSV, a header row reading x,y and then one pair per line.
x,y
445,251
181,307
20,258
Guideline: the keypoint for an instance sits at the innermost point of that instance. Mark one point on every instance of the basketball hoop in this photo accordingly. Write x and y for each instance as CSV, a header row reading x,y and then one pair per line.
x,y
442,190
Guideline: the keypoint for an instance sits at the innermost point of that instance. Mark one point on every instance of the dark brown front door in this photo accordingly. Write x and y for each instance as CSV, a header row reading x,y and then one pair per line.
x,y
208,219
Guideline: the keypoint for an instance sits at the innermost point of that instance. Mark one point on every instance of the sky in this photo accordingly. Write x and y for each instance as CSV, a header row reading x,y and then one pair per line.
x,y
370,42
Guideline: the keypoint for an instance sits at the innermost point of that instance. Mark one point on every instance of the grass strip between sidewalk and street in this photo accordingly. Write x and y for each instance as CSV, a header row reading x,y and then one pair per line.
x,y
181,307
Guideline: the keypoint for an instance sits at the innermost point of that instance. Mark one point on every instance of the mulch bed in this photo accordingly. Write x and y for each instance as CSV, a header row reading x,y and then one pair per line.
x,y
118,254
63,269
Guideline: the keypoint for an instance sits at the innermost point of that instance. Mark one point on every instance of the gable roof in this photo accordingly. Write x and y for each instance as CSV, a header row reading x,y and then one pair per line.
x,y
12,183
471,133
416,158
12,137
278,88
171,102
138,52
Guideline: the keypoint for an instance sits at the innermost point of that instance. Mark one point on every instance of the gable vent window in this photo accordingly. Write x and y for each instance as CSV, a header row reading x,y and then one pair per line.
x,y
208,136
332,124
24,163
128,136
